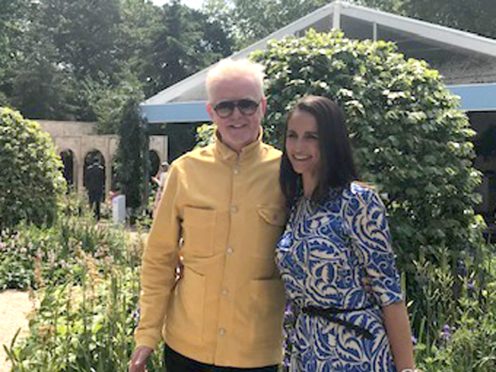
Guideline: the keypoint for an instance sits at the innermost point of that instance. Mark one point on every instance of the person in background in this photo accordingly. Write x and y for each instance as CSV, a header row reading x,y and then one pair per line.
x,y
160,179
94,182
222,211
335,256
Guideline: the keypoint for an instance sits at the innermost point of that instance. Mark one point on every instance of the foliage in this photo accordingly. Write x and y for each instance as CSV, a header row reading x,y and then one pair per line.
x,y
87,281
190,39
476,16
31,182
108,101
12,22
83,33
87,322
36,257
58,57
35,76
182,138
250,20
205,135
410,140
466,341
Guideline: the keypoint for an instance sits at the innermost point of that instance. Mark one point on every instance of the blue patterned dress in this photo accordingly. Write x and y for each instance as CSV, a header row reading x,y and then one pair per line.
x,y
324,255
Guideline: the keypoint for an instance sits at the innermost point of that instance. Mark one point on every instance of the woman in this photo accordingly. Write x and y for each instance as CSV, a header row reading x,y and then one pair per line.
x,y
336,240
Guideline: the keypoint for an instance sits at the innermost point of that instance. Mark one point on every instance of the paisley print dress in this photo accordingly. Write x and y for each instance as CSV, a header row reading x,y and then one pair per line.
x,y
324,255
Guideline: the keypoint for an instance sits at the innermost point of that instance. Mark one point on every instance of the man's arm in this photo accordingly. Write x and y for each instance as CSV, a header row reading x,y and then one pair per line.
x,y
160,260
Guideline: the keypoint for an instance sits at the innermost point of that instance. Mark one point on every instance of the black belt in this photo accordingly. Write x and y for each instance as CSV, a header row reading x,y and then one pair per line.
x,y
330,314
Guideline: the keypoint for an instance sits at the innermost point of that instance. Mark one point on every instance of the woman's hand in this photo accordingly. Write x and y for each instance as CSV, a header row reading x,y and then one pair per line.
x,y
139,359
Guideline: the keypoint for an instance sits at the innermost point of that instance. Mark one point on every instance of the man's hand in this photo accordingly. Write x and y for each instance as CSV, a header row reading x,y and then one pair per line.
x,y
139,358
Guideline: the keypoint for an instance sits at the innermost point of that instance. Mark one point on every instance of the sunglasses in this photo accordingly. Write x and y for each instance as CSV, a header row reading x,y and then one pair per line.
x,y
247,107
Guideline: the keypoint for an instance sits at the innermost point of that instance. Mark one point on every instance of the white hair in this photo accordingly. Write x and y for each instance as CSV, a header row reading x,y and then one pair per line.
x,y
231,69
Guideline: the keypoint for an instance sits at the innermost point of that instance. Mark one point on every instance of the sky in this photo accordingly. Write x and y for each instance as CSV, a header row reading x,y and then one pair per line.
x,y
196,4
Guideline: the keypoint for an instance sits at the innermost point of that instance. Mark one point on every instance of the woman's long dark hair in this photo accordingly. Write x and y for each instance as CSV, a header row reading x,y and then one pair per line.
x,y
337,169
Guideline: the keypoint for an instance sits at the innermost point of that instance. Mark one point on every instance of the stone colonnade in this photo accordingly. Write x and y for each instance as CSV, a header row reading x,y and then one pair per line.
x,y
79,139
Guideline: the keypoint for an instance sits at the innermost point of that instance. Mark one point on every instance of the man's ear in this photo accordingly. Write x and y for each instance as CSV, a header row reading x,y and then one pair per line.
x,y
210,111
263,104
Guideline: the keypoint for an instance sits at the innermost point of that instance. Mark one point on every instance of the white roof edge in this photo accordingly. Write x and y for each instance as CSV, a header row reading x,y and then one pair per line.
x,y
442,34
427,30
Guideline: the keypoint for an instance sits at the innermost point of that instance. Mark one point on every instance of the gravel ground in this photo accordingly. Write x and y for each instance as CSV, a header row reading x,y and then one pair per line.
x,y
14,309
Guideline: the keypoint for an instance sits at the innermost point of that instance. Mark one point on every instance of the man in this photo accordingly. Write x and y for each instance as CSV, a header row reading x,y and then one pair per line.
x,y
94,182
224,204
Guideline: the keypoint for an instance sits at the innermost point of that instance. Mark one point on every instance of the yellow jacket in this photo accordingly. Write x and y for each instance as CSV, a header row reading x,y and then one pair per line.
x,y
223,213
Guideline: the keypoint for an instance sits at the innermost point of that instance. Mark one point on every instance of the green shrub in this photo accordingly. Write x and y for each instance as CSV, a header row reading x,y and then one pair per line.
x,y
31,181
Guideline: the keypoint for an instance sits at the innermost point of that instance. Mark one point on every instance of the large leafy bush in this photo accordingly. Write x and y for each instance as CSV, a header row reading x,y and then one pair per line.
x,y
31,181
411,141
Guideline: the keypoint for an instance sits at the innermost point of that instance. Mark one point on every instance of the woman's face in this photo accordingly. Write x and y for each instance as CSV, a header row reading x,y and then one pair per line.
x,y
302,144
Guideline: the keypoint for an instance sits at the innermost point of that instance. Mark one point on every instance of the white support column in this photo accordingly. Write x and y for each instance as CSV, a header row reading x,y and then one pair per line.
x,y
336,15
80,177
374,31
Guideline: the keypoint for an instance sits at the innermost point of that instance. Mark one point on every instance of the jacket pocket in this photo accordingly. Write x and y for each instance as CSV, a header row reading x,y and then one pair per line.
x,y
198,231
267,307
270,224
185,317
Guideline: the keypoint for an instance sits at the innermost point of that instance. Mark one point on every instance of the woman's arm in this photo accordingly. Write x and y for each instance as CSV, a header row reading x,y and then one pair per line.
x,y
399,335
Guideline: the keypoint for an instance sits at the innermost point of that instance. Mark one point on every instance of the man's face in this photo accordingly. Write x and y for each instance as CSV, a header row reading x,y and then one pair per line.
x,y
237,130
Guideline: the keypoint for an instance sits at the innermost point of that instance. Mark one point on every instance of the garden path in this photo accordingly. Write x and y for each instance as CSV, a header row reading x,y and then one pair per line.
x,y
14,309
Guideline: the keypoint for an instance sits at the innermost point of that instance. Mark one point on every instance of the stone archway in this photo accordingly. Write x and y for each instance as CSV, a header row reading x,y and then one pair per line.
x,y
80,138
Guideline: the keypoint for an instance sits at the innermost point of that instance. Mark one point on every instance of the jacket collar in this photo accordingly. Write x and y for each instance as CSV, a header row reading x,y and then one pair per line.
x,y
248,153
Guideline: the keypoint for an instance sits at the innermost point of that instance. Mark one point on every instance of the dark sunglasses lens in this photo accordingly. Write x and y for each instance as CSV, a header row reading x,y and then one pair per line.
x,y
247,106
224,109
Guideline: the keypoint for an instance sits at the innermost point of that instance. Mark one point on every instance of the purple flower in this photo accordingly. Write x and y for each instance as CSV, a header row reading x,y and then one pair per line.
x,y
414,340
446,333
136,316
471,285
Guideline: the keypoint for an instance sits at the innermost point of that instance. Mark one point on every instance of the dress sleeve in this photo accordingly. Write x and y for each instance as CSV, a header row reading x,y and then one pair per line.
x,y
366,219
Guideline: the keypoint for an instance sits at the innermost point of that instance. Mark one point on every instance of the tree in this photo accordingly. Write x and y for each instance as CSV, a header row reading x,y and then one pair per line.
x,y
108,100
84,33
13,21
31,184
250,20
140,22
411,141
478,16
186,43
38,87
131,158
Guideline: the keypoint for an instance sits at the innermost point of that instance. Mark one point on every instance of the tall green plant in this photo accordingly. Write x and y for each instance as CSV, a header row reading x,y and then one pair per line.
x,y
132,160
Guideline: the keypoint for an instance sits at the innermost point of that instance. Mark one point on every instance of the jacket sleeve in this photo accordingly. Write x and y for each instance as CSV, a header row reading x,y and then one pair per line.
x,y
159,262
371,239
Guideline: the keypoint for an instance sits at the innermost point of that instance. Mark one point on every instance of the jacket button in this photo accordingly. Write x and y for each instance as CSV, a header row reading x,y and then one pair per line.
x,y
222,331
229,250
234,209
